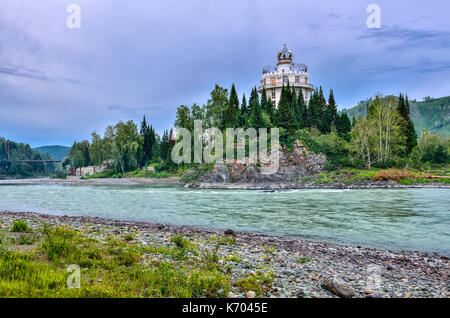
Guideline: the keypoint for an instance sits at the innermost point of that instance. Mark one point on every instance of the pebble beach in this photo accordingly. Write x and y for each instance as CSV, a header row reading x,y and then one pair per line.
x,y
300,268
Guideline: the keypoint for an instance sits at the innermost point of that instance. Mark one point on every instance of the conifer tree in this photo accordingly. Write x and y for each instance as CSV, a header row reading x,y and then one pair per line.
x,y
255,119
343,124
264,100
231,115
328,114
295,108
270,109
253,99
406,123
165,145
323,116
148,135
244,113
284,117
313,110
303,115
143,127
332,105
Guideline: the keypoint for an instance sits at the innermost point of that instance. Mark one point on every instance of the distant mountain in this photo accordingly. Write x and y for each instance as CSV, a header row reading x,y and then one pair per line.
x,y
432,114
56,152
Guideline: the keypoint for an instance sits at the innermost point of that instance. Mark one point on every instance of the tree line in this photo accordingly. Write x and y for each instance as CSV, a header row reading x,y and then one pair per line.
x,y
223,110
22,151
123,147
384,138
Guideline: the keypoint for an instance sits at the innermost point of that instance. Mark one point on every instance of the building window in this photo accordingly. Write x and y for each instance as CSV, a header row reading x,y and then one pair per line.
x,y
273,94
273,81
285,79
297,79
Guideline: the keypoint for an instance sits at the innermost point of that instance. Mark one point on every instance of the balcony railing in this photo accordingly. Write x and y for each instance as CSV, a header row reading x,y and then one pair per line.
x,y
295,84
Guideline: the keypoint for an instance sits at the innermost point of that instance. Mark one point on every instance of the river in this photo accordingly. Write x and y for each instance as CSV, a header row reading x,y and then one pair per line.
x,y
410,219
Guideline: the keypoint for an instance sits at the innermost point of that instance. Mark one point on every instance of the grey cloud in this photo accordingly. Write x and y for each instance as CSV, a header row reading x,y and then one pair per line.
x,y
34,74
397,35
24,72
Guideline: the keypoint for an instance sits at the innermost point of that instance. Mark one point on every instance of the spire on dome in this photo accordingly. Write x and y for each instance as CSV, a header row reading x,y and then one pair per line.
x,y
284,56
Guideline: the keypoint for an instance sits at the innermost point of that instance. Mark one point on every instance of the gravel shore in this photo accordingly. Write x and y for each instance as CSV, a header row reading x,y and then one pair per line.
x,y
94,181
219,186
301,268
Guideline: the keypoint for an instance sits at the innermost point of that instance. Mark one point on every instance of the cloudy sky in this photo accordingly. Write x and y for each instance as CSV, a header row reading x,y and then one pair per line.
x,y
128,58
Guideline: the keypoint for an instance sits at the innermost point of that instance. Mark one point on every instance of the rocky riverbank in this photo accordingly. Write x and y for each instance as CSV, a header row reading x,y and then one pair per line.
x,y
290,267
296,185
300,168
94,181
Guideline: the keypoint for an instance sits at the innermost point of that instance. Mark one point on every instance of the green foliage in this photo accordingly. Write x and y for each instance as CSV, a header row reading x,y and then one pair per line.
x,y
378,139
111,268
215,108
256,282
434,148
23,239
79,155
335,147
430,114
406,125
244,113
179,241
231,112
284,116
20,226
21,151
303,259
256,115
58,243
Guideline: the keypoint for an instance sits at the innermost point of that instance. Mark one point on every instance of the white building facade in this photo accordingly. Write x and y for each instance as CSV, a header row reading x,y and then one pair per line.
x,y
286,72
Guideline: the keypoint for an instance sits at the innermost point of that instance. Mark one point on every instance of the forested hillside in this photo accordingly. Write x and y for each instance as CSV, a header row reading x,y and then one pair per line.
x,y
22,151
56,152
432,114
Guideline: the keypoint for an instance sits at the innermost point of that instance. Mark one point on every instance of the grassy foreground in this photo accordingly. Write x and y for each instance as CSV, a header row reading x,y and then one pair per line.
x,y
34,263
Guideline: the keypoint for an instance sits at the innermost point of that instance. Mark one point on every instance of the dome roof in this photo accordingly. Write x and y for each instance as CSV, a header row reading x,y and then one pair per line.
x,y
284,56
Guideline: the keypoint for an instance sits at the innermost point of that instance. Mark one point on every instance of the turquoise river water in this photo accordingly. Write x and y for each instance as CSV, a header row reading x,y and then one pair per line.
x,y
410,219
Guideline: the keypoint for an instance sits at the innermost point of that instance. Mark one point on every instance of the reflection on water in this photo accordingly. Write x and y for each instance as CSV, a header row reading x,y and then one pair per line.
x,y
416,219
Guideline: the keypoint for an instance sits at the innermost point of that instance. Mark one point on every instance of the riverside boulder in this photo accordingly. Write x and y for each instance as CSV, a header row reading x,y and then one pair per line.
x,y
337,285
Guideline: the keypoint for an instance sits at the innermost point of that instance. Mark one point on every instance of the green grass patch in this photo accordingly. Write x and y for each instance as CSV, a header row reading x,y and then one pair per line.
x,y
20,226
256,282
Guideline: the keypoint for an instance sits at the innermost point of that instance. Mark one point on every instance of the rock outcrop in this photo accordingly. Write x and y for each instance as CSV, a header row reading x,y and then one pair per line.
x,y
338,286
294,163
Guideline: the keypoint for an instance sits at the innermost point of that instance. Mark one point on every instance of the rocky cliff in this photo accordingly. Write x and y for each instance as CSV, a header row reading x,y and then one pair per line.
x,y
294,163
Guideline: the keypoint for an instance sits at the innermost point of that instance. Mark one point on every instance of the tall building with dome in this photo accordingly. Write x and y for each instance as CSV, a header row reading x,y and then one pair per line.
x,y
286,71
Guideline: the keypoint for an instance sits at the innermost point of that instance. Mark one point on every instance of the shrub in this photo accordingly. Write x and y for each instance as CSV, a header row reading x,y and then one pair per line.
x,y
129,237
256,282
128,257
179,241
57,243
25,240
20,226
393,174
303,259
